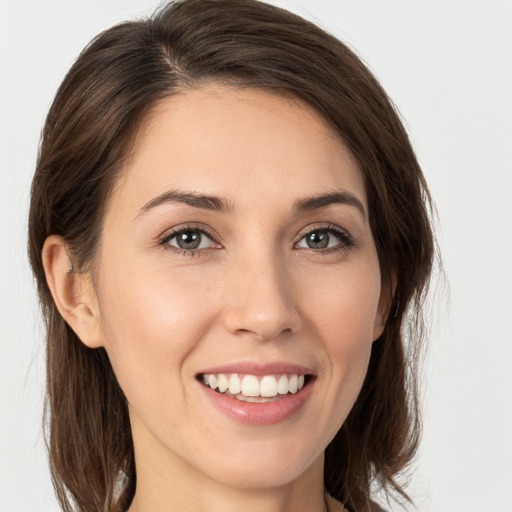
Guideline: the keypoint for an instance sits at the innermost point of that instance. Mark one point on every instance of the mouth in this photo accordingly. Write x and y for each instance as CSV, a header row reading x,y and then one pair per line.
x,y
258,393
255,388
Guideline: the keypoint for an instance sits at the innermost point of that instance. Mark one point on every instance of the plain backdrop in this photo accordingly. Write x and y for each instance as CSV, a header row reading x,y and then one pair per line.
x,y
447,66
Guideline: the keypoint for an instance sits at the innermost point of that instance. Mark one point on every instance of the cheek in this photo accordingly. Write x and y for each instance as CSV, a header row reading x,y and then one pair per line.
x,y
151,321
343,316
344,306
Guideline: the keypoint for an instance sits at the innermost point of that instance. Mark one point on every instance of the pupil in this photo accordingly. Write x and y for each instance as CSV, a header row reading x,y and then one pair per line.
x,y
189,240
318,240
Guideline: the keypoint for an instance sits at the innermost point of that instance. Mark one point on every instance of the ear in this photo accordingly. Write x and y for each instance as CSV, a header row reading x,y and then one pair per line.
x,y
73,292
387,293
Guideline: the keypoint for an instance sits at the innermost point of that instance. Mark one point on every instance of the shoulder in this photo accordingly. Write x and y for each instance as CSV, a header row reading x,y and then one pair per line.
x,y
335,506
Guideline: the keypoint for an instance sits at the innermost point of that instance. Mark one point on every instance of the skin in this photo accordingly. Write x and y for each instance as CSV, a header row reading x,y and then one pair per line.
x,y
254,292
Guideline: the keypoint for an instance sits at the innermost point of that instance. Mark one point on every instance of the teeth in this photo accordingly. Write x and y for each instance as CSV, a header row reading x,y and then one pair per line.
x,y
268,386
251,386
212,381
235,384
292,384
222,383
282,385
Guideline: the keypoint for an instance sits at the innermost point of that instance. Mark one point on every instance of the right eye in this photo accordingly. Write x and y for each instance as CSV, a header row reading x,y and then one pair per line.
x,y
188,239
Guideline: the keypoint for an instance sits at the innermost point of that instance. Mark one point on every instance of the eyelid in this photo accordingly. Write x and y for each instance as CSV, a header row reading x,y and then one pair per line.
x,y
170,233
346,238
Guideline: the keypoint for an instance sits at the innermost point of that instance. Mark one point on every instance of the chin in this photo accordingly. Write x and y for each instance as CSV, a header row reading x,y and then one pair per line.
x,y
265,468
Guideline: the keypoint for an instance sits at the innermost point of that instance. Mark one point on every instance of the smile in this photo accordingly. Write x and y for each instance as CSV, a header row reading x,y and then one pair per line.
x,y
258,394
252,388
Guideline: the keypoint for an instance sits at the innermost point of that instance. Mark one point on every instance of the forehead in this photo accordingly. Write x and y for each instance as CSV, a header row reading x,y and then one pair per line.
x,y
239,144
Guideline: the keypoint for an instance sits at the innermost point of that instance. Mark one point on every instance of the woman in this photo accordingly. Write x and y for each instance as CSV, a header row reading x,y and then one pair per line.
x,y
228,226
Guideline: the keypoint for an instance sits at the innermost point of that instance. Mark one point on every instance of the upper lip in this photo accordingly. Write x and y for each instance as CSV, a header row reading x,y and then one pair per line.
x,y
259,368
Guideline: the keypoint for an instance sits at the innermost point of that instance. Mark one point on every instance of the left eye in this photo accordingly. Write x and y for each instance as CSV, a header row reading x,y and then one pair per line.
x,y
190,240
320,239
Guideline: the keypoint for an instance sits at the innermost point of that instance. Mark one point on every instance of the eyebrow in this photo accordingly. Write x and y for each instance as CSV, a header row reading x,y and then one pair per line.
x,y
219,204
203,201
321,201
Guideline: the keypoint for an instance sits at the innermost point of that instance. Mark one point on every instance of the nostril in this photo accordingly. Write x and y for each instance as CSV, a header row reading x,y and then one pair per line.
x,y
264,331
262,312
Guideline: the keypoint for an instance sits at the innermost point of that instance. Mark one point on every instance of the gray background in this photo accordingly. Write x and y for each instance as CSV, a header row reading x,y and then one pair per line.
x,y
447,66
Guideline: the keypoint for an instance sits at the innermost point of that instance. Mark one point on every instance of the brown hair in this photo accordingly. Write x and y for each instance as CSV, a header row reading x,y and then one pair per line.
x,y
94,118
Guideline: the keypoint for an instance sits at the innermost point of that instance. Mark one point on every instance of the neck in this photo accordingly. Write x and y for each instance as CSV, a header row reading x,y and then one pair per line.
x,y
179,487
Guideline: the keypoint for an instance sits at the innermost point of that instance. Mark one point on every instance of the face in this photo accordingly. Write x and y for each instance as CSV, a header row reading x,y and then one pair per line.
x,y
237,256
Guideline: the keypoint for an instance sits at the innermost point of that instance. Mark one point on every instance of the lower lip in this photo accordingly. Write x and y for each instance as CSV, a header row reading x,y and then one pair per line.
x,y
265,413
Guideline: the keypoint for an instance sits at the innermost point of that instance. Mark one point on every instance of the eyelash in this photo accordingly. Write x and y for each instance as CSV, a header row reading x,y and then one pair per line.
x,y
346,240
164,241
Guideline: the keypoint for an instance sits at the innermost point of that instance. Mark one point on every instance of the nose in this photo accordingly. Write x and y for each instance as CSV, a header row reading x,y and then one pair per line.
x,y
260,300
